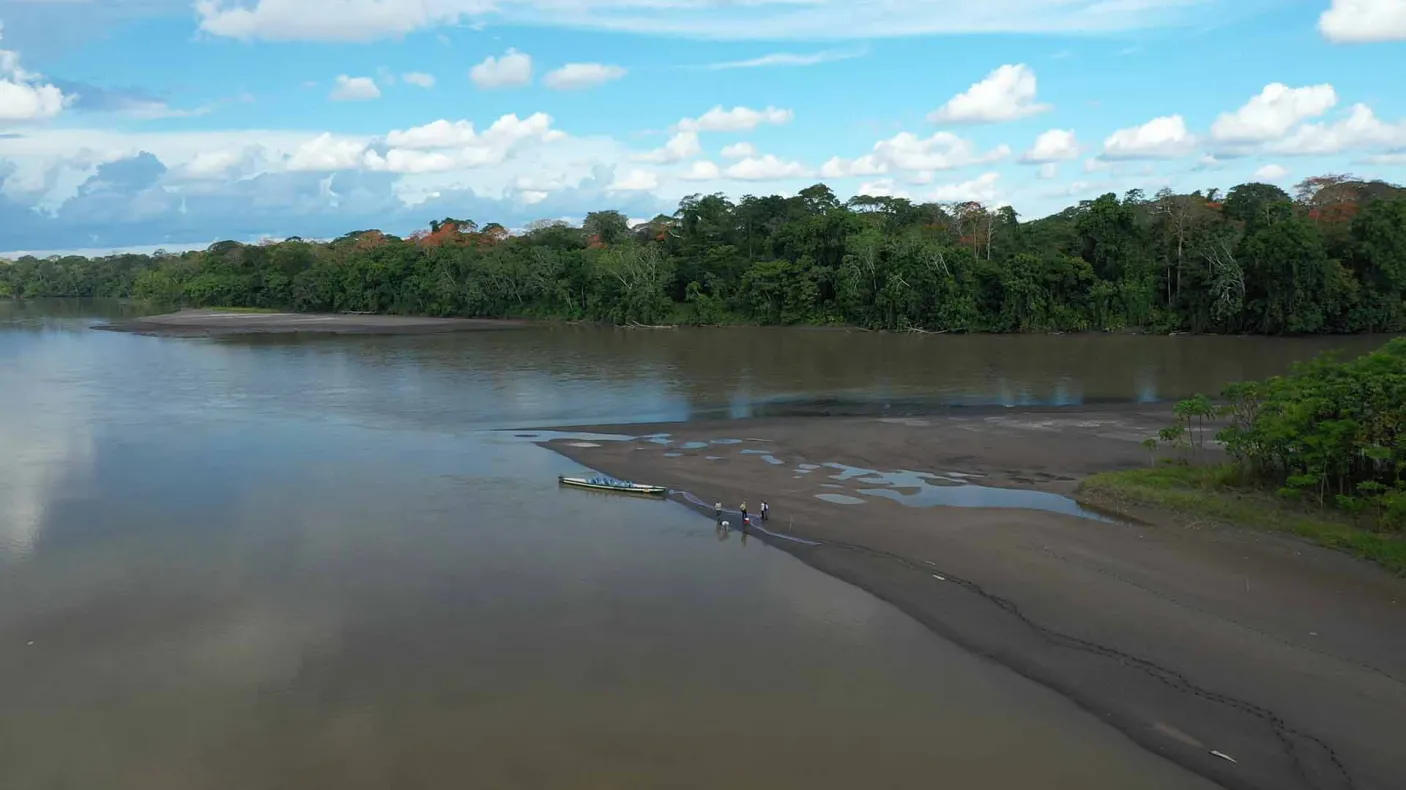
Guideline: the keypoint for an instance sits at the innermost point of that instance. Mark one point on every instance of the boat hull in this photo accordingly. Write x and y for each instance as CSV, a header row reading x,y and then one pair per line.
x,y
636,490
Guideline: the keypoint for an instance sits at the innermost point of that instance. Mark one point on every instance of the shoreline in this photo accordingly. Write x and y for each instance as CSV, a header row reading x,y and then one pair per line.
x,y
218,323
1189,638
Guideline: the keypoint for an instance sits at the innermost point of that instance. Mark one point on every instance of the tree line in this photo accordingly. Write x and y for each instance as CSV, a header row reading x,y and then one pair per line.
x,y
1329,258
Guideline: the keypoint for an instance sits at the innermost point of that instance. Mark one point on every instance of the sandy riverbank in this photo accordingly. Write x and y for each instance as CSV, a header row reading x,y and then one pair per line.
x,y
1288,658
217,322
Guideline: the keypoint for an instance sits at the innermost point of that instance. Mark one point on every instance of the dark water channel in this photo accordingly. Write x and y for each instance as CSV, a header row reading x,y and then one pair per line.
x,y
315,562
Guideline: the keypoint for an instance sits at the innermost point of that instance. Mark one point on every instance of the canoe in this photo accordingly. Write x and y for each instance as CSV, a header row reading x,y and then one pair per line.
x,y
613,486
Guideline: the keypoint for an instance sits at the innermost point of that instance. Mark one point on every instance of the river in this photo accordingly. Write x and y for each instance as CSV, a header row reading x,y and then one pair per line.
x,y
319,562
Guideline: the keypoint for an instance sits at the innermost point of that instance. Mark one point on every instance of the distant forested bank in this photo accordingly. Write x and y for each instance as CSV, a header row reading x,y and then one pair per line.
x,y
1329,258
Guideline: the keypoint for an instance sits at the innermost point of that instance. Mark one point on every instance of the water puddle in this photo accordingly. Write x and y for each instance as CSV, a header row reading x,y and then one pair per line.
x,y
925,489
765,456
693,445
725,441
672,455
840,499
712,458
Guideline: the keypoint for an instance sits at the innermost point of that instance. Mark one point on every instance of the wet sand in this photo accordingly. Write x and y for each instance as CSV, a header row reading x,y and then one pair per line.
x,y
1288,659
216,322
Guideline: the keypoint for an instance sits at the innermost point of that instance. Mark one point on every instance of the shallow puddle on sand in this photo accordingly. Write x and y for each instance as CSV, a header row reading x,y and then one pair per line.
x,y
924,489
840,499
765,456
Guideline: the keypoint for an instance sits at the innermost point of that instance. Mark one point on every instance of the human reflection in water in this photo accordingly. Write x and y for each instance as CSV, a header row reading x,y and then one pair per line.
x,y
745,522
724,530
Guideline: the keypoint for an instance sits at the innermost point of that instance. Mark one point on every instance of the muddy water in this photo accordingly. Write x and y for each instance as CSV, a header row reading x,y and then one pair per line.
x,y
316,563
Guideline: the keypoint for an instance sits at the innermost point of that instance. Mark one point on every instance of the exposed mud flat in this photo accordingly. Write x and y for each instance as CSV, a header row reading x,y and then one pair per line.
x,y
216,322
1256,660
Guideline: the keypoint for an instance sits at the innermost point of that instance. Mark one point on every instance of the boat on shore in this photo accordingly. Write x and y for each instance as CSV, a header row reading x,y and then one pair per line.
x,y
612,485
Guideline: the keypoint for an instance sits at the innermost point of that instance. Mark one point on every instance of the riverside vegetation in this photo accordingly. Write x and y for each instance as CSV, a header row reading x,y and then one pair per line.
x,y
1328,441
1330,258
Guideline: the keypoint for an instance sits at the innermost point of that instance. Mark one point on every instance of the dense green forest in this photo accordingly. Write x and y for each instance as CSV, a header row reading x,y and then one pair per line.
x,y
1329,258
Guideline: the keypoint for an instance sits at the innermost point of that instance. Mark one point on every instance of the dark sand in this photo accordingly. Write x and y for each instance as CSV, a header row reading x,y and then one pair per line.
x,y
1190,638
216,322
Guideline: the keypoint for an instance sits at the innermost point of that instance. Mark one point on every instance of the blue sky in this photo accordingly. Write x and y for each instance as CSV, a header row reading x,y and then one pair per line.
x,y
171,122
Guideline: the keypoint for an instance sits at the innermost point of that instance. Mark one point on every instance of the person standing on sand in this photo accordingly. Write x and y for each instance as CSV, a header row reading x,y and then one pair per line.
x,y
765,510
717,511
744,511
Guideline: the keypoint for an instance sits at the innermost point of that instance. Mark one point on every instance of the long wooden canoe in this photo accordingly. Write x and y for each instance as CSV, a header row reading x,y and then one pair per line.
x,y
612,486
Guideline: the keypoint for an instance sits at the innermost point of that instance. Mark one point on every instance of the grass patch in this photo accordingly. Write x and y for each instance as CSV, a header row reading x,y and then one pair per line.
x,y
1212,492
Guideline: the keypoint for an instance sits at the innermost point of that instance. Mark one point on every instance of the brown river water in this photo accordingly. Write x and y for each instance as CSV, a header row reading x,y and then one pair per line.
x,y
319,562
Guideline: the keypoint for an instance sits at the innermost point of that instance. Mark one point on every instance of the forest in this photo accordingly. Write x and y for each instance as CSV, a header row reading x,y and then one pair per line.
x,y
1329,258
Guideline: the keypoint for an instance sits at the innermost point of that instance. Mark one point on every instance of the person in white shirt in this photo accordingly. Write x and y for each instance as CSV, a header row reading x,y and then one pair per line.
x,y
765,510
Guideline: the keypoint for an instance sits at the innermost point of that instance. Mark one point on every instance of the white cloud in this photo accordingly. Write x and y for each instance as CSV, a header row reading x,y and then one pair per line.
x,y
867,165
1273,112
702,170
982,189
789,59
360,20
419,79
1270,173
405,160
1364,21
1361,129
636,181
942,151
577,76
884,187
512,69
1056,145
327,153
680,147
738,119
1006,94
766,168
1390,160
1049,170
354,89
1160,138
907,151
739,151
24,96
505,131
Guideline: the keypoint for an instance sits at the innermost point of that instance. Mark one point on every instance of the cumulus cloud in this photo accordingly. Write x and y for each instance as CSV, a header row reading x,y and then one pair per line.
x,y
766,168
1273,112
739,151
418,79
1006,94
839,167
24,95
360,20
327,153
1361,129
982,189
354,89
702,170
578,76
680,147
512,69
884,187
1364,21
738,119
907,151
1270,173
636,181
1160,138
1056,145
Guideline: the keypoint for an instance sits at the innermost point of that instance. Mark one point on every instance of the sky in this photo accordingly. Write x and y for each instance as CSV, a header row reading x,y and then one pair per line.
x,y
127,123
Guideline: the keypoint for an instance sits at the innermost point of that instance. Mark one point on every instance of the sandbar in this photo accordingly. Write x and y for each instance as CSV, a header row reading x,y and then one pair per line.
x,y
1256,660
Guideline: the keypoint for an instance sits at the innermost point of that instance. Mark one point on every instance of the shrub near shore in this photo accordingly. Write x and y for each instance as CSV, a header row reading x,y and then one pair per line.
x,y
1330,258
1327,441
